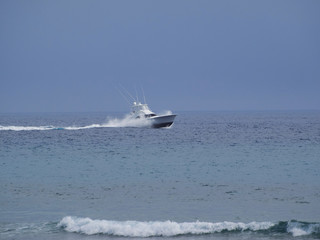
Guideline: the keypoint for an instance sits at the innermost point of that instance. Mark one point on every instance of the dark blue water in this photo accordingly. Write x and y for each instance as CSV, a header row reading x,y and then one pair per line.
x,y
221,175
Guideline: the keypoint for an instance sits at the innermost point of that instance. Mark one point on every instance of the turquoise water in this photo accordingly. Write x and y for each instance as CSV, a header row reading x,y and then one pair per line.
x,y
221,175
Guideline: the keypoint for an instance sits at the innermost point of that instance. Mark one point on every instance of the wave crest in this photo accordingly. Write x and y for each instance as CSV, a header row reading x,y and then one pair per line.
x,y
153,229
88,226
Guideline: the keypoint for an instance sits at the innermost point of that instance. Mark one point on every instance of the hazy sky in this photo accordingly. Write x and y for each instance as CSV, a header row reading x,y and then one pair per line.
x,y
58,56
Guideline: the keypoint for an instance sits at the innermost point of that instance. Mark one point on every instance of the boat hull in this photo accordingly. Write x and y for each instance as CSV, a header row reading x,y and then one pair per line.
x,y
162,121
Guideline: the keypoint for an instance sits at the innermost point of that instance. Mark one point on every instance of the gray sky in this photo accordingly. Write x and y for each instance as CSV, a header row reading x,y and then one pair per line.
x,y
61,56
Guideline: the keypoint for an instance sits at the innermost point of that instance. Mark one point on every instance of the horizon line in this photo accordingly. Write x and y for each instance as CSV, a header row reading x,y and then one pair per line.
x,y
202,110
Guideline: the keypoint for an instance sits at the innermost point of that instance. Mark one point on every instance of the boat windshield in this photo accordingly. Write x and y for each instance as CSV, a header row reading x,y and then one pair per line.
x,y
150,115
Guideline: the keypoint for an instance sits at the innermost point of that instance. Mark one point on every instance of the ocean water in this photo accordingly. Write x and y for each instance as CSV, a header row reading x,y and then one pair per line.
x,y
212,175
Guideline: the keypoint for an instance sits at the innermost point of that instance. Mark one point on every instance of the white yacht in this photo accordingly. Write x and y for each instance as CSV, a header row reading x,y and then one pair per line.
x,y
140,110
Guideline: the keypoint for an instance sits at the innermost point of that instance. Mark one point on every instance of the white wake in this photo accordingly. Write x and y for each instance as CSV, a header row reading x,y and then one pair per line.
x,y
127,121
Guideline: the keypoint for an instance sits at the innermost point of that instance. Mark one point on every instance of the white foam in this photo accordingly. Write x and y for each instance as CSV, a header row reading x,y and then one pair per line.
x,y
297,232
127,121
298,229
156,228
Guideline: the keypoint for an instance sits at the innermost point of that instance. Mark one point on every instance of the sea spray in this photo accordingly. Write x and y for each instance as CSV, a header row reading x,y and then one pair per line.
x,y
127,121
165,112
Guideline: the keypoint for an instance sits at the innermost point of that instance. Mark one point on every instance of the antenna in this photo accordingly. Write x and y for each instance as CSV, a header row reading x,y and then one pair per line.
x,y
127,93
125,98
144,97
135,89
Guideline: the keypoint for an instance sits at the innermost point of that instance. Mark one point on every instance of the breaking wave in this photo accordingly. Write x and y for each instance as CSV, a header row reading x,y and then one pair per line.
x,y
135,229
170,229
127,121
302,228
